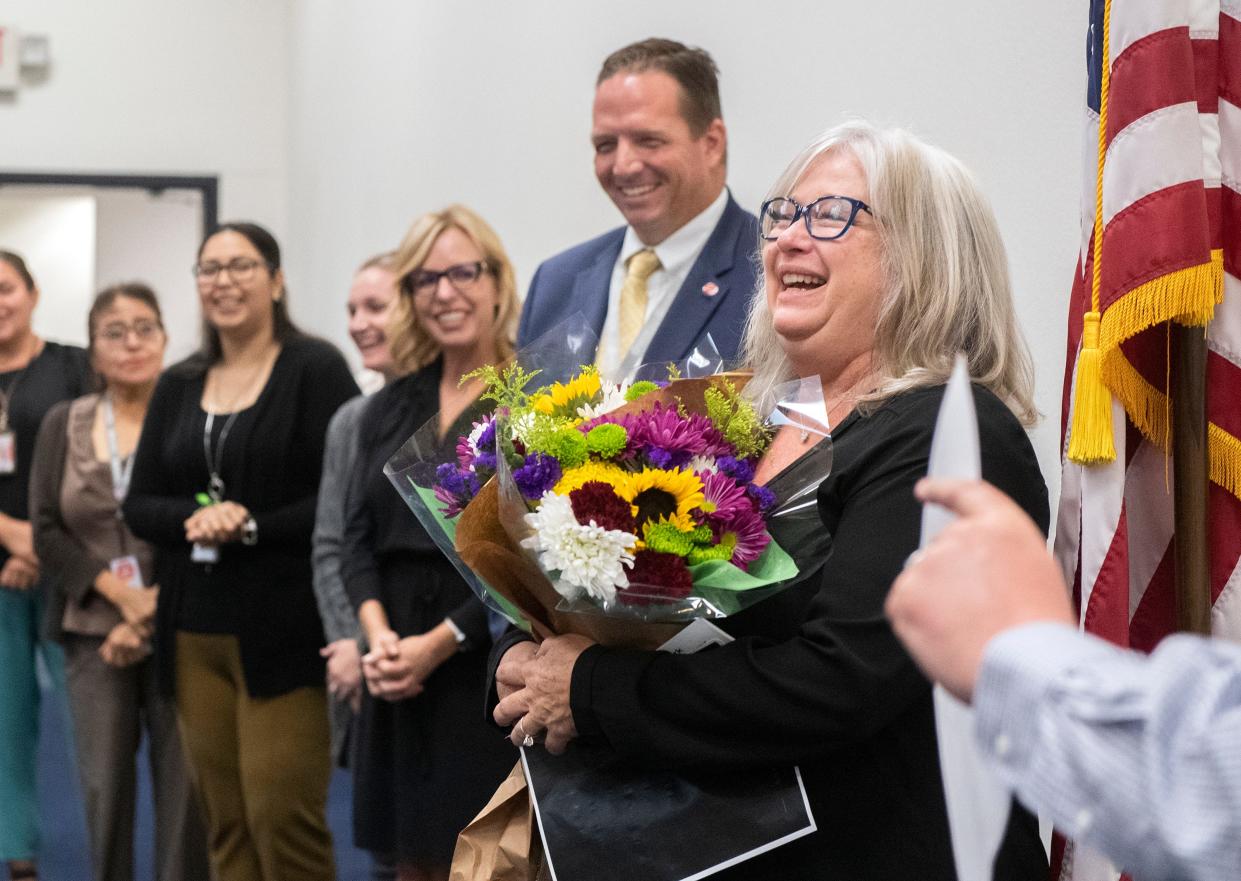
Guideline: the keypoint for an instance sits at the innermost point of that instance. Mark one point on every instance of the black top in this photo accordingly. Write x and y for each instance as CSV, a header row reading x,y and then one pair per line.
x,y
58,373
378,523
271,464
816,676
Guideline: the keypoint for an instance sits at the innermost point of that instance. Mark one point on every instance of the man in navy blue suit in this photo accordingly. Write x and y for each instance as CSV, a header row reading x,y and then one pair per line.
x,y
685,264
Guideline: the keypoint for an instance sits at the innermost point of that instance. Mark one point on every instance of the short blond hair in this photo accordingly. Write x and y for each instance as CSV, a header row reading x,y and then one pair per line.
x,y
947,283
411,346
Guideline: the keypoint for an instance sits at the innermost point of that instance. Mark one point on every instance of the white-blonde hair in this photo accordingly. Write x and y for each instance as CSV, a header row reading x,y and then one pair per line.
x,y
947,286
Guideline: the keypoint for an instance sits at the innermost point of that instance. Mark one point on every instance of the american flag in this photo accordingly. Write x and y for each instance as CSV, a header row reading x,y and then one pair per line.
x,y
1171,210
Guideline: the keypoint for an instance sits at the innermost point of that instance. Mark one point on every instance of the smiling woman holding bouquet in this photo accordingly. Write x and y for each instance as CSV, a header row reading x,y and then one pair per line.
x,y
425,760
881,261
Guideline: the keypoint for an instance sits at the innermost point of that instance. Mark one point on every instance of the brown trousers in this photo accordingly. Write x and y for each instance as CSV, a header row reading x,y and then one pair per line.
x,y
111,708
261,766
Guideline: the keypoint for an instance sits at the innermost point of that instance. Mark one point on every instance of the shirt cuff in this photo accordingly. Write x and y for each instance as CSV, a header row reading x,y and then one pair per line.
x,y
1019,667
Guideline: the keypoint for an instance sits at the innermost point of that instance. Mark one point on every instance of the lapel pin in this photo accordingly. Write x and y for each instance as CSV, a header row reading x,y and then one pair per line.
x,y
710,289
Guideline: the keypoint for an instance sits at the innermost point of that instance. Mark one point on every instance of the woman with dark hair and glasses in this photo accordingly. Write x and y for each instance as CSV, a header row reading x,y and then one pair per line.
x,y
881,262
34,375
224,486
425,761
102,596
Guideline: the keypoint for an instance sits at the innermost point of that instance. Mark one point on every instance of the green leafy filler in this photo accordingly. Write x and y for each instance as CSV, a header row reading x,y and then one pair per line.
x,y
736,419
449,527
506,386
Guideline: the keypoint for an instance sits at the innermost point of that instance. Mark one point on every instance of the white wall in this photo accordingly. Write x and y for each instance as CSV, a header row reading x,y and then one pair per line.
x,y
337,123
55,235
141,86
152,238
489,103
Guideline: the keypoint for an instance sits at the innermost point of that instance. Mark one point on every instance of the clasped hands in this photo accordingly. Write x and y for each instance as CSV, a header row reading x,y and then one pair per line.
x,y
396,668
21,570
216,524
532,683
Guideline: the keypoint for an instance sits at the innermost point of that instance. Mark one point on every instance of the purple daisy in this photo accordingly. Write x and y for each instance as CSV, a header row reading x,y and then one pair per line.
x,y
751,532
726,494
669,439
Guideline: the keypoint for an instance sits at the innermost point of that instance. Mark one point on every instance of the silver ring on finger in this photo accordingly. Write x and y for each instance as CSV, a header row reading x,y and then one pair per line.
x,y
526,739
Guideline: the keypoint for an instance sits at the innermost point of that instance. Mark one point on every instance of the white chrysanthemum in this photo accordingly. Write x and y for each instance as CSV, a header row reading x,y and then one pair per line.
x,y
613,399
703,465
589,559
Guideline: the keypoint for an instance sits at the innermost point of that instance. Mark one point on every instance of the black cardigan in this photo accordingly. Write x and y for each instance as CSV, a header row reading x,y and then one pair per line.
x,y
271,465
817,678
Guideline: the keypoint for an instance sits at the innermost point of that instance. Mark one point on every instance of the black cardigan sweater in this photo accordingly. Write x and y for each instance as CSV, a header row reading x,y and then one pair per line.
x,y
817,678
271,464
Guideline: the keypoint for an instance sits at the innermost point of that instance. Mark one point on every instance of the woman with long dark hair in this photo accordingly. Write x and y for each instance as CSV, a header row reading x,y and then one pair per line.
x,y
224,486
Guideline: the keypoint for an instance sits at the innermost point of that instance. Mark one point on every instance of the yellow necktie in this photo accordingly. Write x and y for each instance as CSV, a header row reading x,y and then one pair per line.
x,y
634,295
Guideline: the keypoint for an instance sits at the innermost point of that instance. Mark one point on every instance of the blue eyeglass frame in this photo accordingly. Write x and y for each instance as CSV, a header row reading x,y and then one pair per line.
x,y
803,211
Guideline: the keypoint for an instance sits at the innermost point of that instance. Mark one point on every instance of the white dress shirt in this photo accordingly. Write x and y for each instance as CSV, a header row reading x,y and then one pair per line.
x,y
677,255
1136,755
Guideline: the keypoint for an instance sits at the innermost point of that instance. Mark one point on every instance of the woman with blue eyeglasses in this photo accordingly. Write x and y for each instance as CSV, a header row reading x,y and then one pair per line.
x,y
103,596
425,760
881,261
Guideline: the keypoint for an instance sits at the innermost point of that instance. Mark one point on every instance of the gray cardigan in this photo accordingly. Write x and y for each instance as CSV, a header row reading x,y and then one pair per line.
x,y
340,457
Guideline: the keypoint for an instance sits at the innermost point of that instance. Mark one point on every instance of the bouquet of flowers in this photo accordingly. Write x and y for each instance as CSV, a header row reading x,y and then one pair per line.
x,y
633,501
625,511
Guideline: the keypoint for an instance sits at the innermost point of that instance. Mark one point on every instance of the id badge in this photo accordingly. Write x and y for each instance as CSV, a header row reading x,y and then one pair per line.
x,y
8,452
204,553
127,569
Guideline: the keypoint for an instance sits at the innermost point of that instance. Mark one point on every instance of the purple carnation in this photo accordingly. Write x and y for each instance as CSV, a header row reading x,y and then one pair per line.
x,y
740,470
661,458
485,462
454,487
539,474
765,498
487,440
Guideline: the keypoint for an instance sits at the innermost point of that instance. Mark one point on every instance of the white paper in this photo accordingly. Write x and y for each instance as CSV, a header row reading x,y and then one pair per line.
x,y
978,804
697,635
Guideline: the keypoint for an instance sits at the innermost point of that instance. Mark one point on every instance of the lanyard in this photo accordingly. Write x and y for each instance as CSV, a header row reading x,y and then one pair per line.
x,y
122,469
215,485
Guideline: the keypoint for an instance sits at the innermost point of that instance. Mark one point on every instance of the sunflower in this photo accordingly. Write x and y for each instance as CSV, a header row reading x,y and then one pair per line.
x,y
656,492
565,398
604,472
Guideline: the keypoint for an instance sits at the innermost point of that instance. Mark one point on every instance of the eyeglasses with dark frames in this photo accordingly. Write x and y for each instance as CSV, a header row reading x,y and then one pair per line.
x,y
827,217
460,276
239,269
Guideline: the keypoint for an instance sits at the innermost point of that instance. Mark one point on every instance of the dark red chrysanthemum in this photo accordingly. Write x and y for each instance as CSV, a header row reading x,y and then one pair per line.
x,y
656,578
597,501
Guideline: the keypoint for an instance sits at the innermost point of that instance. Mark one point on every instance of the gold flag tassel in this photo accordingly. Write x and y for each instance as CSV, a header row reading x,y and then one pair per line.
x,y
1090,434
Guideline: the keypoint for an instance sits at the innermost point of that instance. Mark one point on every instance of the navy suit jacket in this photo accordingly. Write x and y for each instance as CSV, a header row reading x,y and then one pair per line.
x,y
577,280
